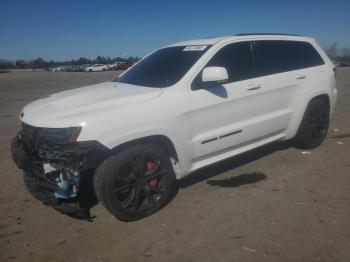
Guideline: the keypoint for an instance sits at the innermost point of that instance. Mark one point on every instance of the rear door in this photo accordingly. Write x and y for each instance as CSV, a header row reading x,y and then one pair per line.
x,y
285,71
274,71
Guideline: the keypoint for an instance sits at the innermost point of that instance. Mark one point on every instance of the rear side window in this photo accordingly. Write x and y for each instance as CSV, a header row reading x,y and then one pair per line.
x,y
274,56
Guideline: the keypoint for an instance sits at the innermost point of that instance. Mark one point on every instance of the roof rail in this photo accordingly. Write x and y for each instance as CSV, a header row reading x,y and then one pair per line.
x,y
264,34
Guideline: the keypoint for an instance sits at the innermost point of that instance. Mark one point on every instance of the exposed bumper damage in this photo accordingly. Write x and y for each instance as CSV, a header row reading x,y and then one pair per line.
x,y
59,175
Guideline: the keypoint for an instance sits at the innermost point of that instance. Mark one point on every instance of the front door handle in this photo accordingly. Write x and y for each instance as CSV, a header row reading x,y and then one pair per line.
x,y
301,77
253,87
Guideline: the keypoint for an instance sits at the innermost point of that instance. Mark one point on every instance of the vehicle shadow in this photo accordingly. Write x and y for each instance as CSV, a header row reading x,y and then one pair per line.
x,y
87,198
231,163
236,181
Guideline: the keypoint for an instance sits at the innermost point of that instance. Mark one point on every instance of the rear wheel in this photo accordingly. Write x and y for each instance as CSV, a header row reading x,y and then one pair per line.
x,y
314,125
136,182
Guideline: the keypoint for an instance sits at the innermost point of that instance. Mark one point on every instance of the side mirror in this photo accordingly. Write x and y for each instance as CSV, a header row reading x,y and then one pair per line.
x,y
214,74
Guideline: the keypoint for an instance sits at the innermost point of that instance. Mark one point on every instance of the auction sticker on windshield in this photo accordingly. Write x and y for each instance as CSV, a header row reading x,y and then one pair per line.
x,y
195,48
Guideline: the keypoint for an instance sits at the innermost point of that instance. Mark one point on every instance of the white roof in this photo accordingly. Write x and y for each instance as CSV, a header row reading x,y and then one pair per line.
x,y
203,41
214,40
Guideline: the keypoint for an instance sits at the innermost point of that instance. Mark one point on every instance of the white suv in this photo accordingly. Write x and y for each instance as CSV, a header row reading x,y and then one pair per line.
x,y
181,108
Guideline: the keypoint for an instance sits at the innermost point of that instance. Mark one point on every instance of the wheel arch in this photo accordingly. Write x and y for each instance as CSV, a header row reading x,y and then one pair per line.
x,y
299,139
323,96
161,140
299,114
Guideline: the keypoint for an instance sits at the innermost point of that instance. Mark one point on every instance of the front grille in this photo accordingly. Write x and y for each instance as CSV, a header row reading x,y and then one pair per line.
x,y
29,135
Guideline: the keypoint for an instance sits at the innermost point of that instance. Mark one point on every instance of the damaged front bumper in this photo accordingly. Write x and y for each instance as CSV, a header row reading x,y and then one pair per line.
x,y
59,175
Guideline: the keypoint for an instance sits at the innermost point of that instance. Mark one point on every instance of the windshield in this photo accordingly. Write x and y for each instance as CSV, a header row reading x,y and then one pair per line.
x,y
164,67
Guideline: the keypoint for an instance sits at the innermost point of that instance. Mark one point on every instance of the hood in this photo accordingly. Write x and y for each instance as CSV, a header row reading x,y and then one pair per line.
x,y
70,108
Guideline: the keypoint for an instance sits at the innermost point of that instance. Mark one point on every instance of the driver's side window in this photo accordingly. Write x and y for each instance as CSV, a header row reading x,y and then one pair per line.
x,y
237,58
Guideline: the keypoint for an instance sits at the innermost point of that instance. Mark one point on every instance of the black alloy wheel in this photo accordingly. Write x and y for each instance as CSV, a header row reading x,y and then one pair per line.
x,y
136,182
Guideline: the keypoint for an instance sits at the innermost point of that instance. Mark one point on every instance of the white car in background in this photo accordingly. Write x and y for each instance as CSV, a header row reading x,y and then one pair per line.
x,y
96,68
57,69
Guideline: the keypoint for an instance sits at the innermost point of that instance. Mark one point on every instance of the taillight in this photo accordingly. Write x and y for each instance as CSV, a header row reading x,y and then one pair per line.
x,y
335,72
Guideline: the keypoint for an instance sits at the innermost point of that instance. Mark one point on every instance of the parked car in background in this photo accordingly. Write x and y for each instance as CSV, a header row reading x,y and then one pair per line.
x,y
114,66
57,69
123,65
120,65
68,68
344,64
75,68
96,68
81,68
111,66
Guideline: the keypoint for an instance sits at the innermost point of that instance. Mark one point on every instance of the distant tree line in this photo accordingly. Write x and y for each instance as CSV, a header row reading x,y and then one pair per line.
x,y
41,63
338,55
335,53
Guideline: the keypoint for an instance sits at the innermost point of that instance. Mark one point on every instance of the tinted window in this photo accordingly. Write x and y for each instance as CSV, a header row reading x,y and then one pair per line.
x,y
236,58
164,67
272,57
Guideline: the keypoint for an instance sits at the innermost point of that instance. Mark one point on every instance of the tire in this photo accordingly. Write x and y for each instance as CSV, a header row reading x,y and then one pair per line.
x,y
104,69
90,70
136,182
314,125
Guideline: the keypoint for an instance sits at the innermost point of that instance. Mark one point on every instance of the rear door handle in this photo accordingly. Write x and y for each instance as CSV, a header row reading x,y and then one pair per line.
x,y
253,87
301,77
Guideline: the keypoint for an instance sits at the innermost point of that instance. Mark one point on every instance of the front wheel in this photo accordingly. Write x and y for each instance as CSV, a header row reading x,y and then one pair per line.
x,y
314,125
136,182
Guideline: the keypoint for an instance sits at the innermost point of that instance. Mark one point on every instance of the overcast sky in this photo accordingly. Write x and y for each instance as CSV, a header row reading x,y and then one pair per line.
x,y
69,29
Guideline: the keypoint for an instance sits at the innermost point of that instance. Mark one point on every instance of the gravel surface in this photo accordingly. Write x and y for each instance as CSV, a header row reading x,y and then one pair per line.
x,y
271,204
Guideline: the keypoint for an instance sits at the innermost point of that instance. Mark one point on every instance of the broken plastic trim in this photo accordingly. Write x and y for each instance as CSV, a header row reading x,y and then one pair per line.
x,y
54,173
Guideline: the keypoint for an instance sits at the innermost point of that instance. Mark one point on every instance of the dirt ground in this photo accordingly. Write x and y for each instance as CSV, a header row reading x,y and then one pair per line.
x,y
271,204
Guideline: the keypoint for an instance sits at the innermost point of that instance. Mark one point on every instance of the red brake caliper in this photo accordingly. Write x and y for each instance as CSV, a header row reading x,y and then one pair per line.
x,y
149,166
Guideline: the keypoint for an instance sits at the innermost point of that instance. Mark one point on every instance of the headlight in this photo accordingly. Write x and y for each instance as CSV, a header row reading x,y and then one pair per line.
x,y
59,135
